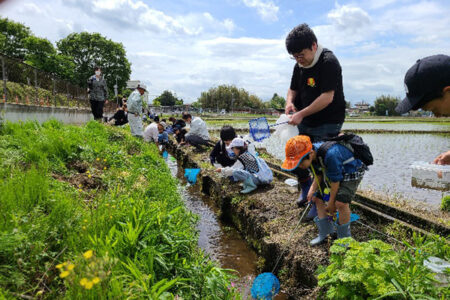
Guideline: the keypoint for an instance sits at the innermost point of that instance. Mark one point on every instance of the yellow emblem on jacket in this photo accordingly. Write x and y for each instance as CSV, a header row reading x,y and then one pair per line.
x,y
311,82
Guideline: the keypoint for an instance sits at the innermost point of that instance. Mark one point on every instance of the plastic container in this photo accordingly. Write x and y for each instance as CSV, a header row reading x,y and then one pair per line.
x,y
438,266
291,182
430,176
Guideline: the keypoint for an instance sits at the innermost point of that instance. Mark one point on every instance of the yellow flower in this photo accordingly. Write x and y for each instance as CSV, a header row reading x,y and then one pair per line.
x,y
84,227
104,160
80,190
64,274
88,254
39,293
85,220
88,172
97,159
113,206
95,280
107,204
80,185
110,217
104,168
88,285
89,176
83,281
59,266
70,267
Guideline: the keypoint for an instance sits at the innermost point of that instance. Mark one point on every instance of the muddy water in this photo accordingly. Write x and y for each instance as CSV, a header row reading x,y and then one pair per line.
x,y
220,241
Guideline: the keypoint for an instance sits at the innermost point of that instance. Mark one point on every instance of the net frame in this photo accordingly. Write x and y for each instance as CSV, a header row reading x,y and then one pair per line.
x,y
259,129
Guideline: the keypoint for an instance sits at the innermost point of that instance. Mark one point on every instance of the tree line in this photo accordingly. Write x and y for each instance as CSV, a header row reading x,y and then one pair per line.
x,y
73,58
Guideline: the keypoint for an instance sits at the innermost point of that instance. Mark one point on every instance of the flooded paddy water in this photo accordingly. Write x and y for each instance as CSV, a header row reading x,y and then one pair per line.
x,y
390,175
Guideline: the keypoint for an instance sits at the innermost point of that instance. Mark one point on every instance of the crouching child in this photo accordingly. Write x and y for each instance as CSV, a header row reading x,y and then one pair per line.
x,y
252,170
222,152
336,171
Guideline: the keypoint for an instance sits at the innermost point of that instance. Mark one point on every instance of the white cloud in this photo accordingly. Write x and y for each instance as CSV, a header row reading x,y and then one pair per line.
x,y
349,18
265,8
191,51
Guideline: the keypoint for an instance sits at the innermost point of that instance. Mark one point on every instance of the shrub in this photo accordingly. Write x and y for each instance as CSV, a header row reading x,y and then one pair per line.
x,y
369,270
445,203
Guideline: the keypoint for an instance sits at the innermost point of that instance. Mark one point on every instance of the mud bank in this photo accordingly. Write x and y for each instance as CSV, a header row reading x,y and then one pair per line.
x,y
266,218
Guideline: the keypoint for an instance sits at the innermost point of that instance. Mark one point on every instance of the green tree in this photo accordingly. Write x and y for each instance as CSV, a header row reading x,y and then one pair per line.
x,y
386,103
92,49
228,97
42,54
167,98
12,36
277,102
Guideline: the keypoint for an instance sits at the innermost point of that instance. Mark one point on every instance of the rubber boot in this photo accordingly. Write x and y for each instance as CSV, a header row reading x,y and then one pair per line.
x,y
312,213
343,230
325,228
301,201
249,186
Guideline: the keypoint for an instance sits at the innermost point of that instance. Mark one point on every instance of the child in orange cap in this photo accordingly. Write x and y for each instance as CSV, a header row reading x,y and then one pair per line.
x,y
339,170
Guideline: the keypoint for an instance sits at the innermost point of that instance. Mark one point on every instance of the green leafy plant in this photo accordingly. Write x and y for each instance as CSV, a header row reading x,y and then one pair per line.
x,y
445,203
369,270
69,190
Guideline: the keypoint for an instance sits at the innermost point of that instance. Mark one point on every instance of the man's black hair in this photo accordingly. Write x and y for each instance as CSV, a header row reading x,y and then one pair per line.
x,y
301,37
156,119
186,116
227,133
97,68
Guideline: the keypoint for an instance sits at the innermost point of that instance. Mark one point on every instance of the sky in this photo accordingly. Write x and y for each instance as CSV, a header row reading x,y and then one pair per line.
x,y
189,46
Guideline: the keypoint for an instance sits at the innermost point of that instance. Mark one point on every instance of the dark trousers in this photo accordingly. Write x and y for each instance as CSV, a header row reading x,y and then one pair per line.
x,y
196,140
97,109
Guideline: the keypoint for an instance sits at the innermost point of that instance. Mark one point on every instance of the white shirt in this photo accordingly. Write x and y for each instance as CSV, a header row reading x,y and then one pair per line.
x,y
198,127
228,171
151,133
134,102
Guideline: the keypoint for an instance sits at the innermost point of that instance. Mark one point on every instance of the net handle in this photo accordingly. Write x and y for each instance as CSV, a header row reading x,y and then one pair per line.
x,y
276,124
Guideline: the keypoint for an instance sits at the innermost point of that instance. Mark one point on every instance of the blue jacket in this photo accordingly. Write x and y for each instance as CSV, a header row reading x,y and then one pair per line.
x,y
334,162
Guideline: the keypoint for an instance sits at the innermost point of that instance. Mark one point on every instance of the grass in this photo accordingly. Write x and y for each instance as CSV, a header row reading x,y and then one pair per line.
x,y
93,213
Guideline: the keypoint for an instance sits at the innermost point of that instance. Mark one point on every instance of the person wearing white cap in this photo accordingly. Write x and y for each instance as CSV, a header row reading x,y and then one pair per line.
x,y
135,110
253,171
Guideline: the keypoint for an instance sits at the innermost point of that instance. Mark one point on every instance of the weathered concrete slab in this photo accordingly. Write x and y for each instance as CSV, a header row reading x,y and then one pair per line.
x,y
22,112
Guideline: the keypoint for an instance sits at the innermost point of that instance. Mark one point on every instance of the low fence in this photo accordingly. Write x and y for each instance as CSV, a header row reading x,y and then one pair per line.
x,y
27,85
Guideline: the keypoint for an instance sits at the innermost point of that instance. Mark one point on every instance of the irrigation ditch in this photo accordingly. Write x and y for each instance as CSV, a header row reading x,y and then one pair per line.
x,y
265,220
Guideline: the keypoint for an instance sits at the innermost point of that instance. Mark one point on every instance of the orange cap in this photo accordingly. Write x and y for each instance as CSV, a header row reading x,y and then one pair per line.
x,y
296,149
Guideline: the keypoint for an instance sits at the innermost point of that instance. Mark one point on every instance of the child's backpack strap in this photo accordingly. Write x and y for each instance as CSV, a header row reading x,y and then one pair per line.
x,y
265,174
352,142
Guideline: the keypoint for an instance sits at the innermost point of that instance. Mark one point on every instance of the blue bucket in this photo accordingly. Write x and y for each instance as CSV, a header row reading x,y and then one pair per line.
x,y
191,175
265,286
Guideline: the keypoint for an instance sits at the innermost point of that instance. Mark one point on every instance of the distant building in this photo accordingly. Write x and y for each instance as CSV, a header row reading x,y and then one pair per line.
x,y
362,107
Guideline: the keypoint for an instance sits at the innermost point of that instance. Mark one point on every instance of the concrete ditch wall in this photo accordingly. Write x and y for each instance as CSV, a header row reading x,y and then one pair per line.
x,y
21,112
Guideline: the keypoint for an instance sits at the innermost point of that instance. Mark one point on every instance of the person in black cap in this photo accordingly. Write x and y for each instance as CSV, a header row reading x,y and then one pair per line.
x,y
427,85
315,95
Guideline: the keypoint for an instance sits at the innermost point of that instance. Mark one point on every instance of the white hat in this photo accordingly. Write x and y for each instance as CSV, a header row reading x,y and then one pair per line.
x,y
142,86
237,142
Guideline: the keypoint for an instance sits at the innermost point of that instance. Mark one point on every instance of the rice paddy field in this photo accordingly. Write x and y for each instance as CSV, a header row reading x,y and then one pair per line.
x,y
390,176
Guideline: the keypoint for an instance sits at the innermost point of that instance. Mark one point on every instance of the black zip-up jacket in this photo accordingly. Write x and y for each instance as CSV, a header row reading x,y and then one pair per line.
x,y
220,154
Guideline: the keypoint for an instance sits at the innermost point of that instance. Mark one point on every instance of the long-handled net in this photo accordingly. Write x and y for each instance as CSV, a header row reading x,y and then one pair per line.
x,y
260,128
266,285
